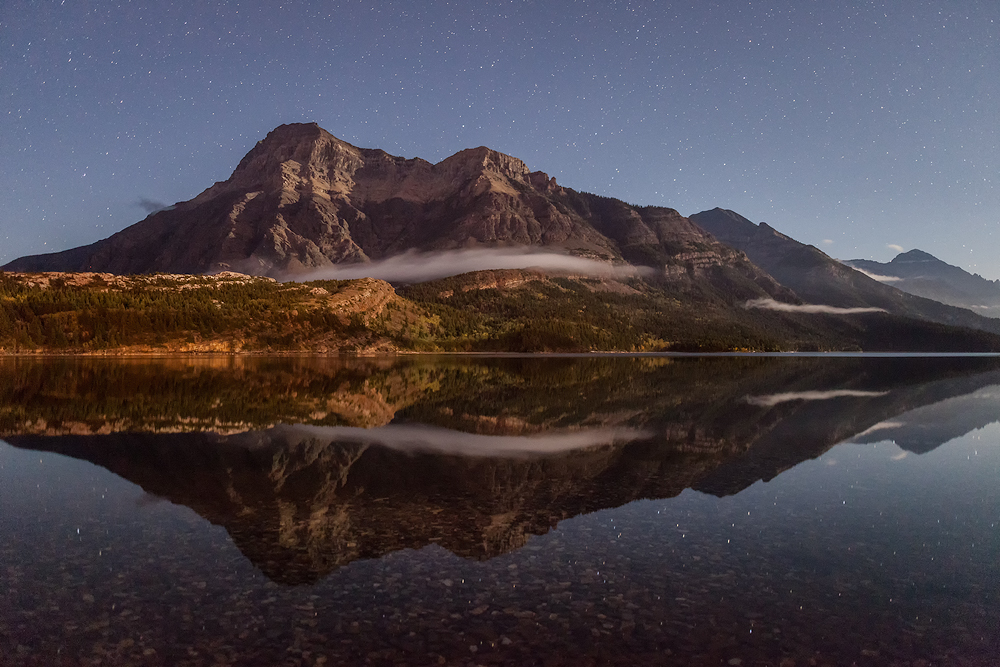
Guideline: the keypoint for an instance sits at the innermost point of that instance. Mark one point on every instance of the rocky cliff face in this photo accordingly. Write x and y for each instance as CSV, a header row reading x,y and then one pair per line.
x,y
302,199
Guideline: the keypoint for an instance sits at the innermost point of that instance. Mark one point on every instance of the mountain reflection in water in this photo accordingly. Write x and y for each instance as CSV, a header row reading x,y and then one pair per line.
x,y
312,464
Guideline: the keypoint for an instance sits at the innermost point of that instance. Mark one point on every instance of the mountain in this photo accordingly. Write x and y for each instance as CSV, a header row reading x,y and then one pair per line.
x,y
302,199
817,278
923,274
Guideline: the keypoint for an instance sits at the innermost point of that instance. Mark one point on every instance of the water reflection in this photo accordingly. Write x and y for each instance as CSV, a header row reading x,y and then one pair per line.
x,y
923,429
311,466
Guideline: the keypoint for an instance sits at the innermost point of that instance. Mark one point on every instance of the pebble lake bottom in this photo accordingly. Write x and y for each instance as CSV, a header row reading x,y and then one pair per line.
x,y
868,554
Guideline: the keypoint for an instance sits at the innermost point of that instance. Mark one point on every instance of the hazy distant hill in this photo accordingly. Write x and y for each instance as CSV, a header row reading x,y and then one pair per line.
x,y
923,274
817,278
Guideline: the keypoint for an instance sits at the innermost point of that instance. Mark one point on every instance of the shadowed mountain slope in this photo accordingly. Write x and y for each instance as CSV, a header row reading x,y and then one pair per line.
x,y
818,278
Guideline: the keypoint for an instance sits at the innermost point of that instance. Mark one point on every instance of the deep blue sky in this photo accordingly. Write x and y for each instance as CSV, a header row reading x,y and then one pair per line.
x,y
854,126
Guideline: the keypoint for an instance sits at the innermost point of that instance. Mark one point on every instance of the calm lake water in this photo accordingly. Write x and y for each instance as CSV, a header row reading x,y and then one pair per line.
x,y
500,511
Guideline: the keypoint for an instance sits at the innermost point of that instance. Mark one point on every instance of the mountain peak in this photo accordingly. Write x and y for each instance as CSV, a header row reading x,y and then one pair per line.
x,y
293,129
485,159
914,256
293,154
288,140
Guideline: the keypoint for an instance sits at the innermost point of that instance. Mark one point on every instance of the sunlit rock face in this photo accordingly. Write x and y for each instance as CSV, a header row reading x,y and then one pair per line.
x,y
302,199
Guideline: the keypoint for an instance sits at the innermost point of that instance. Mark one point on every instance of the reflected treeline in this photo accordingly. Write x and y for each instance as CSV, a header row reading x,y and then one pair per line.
x,y
313,463
225,394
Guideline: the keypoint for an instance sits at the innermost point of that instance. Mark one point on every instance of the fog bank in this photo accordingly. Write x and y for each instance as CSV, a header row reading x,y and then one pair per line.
x,y
875,276
415,267
771,304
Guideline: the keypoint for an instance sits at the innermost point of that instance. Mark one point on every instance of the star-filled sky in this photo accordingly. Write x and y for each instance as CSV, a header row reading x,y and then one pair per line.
x,y
863,128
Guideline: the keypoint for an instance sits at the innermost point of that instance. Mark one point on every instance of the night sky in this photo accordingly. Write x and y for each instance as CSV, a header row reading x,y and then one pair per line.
x,y
863,128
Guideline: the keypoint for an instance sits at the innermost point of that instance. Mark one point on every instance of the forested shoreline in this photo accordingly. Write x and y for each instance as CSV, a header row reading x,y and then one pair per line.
x,y
101,314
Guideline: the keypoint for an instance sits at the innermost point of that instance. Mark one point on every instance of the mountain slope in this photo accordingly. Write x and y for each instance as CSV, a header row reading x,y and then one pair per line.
x,y
920,273
818,278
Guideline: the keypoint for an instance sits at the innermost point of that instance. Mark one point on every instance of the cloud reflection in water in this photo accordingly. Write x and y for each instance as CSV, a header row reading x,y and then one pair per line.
x,y
419,438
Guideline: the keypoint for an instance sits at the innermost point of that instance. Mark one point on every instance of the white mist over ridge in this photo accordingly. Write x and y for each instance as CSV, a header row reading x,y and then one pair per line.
x,y
875,276
415,267
771,304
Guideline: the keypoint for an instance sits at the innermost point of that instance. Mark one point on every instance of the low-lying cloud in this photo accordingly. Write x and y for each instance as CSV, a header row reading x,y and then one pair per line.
x,y
875,276
770,400
437,440
415,267
893,246
771,304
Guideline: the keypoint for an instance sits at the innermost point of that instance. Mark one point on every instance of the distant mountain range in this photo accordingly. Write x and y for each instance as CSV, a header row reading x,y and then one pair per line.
x,y
303,202
923,274
818,278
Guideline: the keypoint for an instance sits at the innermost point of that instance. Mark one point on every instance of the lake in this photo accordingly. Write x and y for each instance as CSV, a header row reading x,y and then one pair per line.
x,y
493,511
